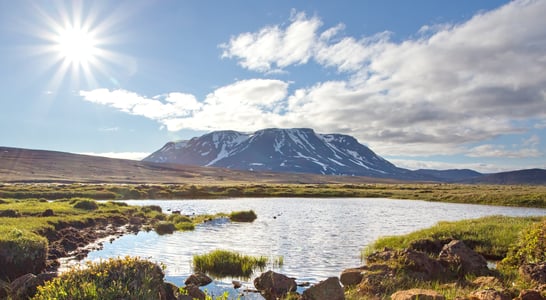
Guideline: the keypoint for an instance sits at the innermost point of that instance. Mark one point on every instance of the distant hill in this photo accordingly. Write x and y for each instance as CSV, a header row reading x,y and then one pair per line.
x,y
453,175
25,165
528,176
297,150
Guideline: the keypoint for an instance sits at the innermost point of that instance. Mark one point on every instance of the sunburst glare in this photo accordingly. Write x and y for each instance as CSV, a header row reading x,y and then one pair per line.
x,y
76,43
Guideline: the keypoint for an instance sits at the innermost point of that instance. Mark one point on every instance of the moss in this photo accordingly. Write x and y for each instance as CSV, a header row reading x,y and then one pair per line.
x,y
243,216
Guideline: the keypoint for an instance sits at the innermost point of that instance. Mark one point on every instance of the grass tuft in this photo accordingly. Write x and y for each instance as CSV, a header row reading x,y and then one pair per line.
x,y
223,263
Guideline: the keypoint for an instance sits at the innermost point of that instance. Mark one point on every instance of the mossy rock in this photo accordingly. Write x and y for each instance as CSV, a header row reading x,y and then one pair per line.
x,y
86,204
164,228
243,216
21,252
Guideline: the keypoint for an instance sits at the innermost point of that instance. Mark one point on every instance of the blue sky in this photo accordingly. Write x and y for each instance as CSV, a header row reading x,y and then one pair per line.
x,y
425,84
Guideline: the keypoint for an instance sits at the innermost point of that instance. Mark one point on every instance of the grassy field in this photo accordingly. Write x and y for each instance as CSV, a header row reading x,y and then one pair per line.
x,y
505,195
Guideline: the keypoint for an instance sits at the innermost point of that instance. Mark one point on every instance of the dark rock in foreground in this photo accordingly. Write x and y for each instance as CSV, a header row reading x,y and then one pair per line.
x,y
274,285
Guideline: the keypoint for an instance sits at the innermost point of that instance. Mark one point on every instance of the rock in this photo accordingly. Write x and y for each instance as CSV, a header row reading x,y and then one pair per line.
x,y
488,294
168,291
9,213
530,295
464,260
236,284
328,289
420,294
198,279
195,293
274,285
24,286
351,276
487,282
48,213
421,266
534,272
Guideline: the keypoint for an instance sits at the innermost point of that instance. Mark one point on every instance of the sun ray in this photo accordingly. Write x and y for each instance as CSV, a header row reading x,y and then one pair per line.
x,y
75,44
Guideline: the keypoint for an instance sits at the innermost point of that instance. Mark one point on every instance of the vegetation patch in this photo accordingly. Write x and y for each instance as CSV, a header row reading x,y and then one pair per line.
x,y
223,263
243,216
164,227
490,236
21,252
86,204
127,278
530,248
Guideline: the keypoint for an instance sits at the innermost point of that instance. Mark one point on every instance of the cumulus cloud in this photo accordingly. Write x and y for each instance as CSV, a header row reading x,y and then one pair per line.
x,y
239,106
450,86
488,150
273,47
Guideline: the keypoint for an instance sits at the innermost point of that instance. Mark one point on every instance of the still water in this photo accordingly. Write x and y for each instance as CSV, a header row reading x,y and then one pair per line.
x,y
317,238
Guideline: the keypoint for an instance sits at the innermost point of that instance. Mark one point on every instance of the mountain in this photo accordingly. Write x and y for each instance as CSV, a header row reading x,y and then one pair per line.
x,y
452,175
298,150
27,165
528,176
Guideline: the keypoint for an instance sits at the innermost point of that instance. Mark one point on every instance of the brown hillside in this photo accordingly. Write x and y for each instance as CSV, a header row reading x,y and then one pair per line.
x,y
23,165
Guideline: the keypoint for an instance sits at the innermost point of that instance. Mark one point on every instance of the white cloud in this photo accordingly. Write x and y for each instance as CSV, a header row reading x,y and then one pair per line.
x,y
488,150
451,86
273,47
440,165
121,155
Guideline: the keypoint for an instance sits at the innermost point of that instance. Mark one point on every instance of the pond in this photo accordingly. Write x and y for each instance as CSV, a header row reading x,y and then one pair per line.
x,y
317,238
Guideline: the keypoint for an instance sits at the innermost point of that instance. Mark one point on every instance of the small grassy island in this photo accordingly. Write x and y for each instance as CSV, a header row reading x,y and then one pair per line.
x,y
40,223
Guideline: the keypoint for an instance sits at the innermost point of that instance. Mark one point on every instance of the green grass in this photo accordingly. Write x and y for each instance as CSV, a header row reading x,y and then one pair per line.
x,y
127,278
243,216
21,252
223,263
505,195
490,236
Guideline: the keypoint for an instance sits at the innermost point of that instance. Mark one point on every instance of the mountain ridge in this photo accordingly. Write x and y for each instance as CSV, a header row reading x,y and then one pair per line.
x,y
293,150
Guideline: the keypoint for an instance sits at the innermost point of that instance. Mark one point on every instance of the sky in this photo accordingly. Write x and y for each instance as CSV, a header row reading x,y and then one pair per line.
x,y
425,83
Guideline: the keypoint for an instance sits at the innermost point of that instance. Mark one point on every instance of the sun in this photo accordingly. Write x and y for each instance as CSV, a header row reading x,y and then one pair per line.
x,y
77,45
76,42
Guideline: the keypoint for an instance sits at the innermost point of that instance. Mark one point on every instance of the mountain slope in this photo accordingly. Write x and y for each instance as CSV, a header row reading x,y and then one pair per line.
x,y
25,165
282,150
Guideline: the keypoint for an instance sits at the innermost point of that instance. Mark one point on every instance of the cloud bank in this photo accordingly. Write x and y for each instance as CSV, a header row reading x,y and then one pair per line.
x,y
451,86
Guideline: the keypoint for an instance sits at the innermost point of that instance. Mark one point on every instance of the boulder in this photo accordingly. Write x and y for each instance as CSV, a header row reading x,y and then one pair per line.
x,y
273,285
198,279
24,287
530,295
236,284
328,289
421,266
534,272
488,294
420,294
458,257
195,293
351,276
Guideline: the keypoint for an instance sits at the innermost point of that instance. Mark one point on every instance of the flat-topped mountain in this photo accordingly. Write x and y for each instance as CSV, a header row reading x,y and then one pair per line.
x,y
299,150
